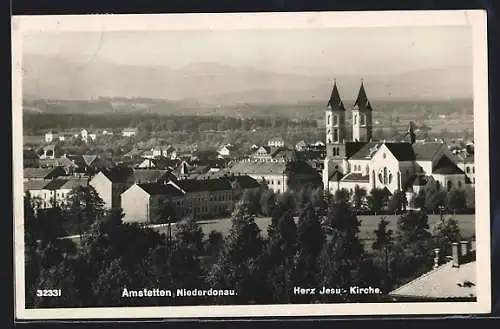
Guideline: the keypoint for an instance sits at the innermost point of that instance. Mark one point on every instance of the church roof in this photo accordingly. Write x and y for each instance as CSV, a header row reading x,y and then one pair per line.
x,y
426,151
336,176
355,177
361,150
335,103
362,103
446,167
401,151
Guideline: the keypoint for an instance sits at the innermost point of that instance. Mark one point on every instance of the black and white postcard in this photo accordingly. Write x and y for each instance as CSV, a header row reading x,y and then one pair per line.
x,y
249,165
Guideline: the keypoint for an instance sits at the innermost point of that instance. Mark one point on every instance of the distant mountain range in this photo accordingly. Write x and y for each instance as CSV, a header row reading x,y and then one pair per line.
x,y
217,84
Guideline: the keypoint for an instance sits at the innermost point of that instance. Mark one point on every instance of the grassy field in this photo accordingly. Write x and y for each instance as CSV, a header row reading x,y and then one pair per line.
x,y
368,225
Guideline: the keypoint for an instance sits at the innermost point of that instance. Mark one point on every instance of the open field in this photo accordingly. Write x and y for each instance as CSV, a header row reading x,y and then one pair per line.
x,y
368,225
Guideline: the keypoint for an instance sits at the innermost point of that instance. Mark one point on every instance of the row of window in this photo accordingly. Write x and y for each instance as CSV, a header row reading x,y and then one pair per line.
x,y
469,169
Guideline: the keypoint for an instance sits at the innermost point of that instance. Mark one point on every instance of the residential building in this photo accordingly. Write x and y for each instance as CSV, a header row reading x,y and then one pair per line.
x,y
129,132
42,173
47,193
278,176
142,202
49,137
301,146
276,142
111,183
206,198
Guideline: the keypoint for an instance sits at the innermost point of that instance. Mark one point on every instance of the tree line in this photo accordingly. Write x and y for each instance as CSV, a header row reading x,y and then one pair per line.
x,y
312,250
37,123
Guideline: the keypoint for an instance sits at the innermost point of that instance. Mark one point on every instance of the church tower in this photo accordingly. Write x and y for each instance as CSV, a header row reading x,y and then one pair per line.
x,y
335,118
362,124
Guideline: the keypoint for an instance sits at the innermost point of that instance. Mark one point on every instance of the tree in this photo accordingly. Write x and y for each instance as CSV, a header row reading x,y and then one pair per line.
x,y
342,261
445,233
237,264
85,207
341,195
413,246
278,258
358,197
418,200
377,199
435,197
190,235
456,200
310,240
383,248
397,202
267,201
214,242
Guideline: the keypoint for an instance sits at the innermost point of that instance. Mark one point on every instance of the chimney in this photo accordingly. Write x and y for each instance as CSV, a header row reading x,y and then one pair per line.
x,y
455,251
436,257
465,248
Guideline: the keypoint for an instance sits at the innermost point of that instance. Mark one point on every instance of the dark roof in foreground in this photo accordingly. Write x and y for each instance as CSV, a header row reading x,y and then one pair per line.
x,y
445,281
360,150
160,189
446,167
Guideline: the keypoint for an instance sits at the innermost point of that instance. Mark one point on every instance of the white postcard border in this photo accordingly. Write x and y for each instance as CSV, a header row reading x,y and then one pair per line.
x,y
474,18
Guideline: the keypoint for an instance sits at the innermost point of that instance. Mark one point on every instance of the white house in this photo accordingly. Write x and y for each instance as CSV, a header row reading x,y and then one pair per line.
x,y
129,132
49,137
142,202
84,135
276,142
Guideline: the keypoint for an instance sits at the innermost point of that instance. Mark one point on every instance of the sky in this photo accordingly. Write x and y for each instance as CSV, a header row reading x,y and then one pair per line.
x,y
311,51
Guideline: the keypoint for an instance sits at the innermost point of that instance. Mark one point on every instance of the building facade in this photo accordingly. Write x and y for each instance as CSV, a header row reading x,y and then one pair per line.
x,y
391,165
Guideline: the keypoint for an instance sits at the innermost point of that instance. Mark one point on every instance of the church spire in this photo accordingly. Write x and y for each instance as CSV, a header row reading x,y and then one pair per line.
x,y
335,103
362,101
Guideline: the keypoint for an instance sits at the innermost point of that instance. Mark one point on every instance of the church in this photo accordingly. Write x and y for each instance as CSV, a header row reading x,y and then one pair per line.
x,y
396,165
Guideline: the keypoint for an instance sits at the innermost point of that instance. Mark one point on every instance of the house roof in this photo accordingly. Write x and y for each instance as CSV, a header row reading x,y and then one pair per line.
x,y
34,185
119,174
356,177
195,185
270,168
426,151
401,151
446,167
66,184
160,189
30,154
37,172
360,150
245,181
89,158
335,102
445,281
149,175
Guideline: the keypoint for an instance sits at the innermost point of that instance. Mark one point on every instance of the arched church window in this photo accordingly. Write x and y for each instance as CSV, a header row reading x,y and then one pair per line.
x,y
355,118
328,119
450,185
390,179
362,119
385,175
335,135
335,120
467,169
